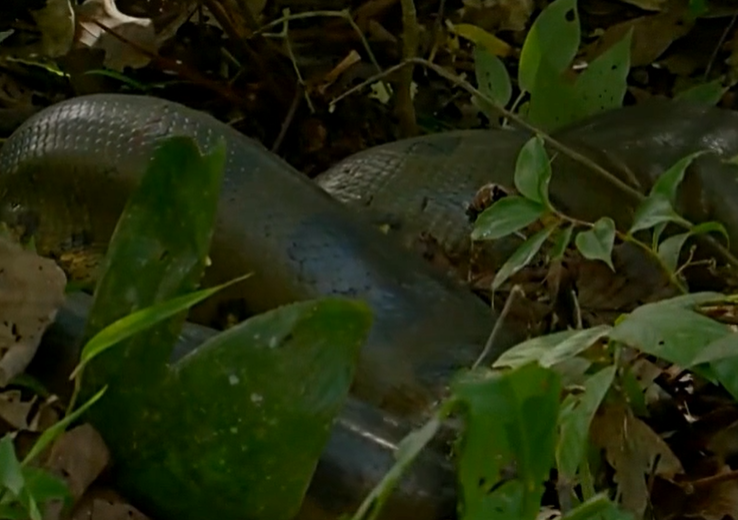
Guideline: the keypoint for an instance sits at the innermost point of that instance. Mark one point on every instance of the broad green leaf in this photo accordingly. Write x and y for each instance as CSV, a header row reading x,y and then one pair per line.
x,y
11,476
597,243
553,100
709,93
551,349
143,319
12,512
575,417
521,257
553,37
507,446
722,348
533,171
655,209
561,241
43,487
506,216
669,331
492,78
254,405
668,182
603,84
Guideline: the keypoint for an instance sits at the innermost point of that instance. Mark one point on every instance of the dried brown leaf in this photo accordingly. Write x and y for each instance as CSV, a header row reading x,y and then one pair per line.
x,y
78,456
634,451
31,291
15,411
652,36
105,504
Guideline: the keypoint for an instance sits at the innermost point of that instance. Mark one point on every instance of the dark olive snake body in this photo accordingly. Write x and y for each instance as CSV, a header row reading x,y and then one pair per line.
x,y
66,173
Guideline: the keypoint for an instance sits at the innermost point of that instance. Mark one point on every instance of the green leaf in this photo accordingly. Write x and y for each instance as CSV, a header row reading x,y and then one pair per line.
x,y
51,433
506,216
554,37
561,241
143,319
599,507
655,209
669,330
575,417
12,512
668,182
603,84
43,486
553,101
407,451
507,447
254,406
11,476
492,78
533,171
670,249
597,243
521,257
551,349
709,93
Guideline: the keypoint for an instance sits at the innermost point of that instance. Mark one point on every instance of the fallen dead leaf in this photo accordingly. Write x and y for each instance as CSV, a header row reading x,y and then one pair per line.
x,y
647,5
634,451
78,456
15,411
31,291
652,36
105,504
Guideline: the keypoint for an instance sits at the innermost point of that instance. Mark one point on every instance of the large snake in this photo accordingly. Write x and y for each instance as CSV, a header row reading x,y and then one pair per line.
x,y
66,173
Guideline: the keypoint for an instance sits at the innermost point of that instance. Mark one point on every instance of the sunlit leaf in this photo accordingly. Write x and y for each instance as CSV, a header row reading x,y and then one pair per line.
x,y
554,37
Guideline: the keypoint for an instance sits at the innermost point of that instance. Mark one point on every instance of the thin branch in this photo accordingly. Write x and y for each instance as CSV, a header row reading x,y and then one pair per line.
x,y
404,107
514,293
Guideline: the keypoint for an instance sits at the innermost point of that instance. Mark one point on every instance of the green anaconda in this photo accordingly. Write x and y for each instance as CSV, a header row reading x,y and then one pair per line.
x,y
65,176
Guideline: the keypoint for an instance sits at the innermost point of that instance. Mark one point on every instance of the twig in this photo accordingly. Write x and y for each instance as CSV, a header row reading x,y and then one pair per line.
x,y
404,107
301,81
331,14
217,10
707,482
287,120
554,143
514,292
715,51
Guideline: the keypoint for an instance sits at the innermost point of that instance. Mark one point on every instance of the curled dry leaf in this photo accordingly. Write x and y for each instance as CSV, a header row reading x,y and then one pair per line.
x,y
55,22
31,291
635,452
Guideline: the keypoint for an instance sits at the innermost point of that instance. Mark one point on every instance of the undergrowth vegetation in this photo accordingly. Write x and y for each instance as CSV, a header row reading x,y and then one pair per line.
x,y
553,405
